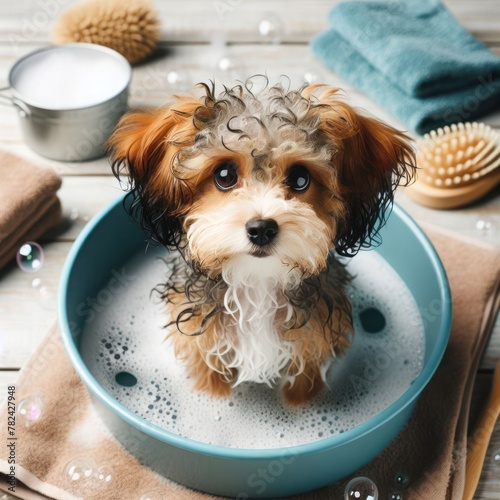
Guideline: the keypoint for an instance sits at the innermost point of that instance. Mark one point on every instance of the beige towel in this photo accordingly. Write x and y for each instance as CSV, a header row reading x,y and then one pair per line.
x,y
429,450
28,203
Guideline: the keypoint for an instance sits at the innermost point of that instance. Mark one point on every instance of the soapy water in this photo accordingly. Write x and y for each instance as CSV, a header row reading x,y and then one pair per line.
x,y
123,346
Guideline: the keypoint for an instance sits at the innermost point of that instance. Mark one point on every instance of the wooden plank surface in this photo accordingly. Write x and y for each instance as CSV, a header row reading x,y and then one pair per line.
x,y
198,20
192,46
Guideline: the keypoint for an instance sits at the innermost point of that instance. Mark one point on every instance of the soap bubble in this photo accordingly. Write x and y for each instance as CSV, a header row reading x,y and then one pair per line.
x,y
103,475
36,283
361,488
6,496
41,288
311,77
270,28
495,458
178,80
44,294
30,257
79,469
401,479
396,495
75,216
151,495
225,63
486,225
231,67
30,409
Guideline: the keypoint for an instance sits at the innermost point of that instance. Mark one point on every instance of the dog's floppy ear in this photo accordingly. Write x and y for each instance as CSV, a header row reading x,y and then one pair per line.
x,y
146,143
372,159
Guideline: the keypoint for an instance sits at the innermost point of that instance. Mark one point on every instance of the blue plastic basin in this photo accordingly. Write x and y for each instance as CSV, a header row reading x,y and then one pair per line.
x,y
111,238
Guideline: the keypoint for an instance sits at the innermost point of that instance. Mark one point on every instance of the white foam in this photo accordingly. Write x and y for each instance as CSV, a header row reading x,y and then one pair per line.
x,y
70,78
126,335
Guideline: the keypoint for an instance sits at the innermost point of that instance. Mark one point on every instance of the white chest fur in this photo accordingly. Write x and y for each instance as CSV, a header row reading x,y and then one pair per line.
x,y
248,338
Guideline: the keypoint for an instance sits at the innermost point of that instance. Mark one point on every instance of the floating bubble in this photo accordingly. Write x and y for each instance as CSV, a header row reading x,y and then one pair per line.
x,y
495,458
30,409
178,80
225,64
311,77
45,296
395,495
75,215
30,257
401,479
218,418
151,495
44,292
486,225
103,475
270,28
79,470
361,488
36,283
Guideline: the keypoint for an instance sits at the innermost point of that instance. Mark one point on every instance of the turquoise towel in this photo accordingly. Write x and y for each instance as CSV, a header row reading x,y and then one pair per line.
x,y
412,58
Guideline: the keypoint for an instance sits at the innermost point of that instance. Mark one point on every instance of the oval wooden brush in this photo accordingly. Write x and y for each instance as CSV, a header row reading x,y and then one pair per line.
x,y
131,27
457,165
484,428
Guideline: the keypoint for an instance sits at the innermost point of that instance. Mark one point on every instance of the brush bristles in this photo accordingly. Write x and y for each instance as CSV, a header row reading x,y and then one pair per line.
x,y
458,155
131,27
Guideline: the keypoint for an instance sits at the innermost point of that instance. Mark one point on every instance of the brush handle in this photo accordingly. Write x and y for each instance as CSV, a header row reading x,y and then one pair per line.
x,y
480,440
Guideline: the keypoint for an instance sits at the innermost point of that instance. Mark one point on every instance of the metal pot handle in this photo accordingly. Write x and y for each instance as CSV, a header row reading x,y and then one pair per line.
x,y
6,98
24,111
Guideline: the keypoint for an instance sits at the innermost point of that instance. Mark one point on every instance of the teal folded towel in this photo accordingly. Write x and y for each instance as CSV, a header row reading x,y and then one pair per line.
x,y
414,59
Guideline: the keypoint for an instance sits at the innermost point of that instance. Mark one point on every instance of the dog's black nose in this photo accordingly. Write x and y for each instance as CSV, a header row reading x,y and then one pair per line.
x,y
261,231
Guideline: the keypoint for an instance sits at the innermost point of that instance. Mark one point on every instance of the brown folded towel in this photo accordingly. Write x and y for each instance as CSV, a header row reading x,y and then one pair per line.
x,y
28,203
429,451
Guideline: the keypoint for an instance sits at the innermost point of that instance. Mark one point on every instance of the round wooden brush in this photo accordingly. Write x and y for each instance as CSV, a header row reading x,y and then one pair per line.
x,y
458,165
131,27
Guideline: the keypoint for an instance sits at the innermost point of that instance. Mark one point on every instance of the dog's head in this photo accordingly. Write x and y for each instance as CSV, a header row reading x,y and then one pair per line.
x,y
257,178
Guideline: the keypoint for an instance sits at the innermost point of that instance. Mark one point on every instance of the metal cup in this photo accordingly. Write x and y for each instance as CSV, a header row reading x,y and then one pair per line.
x,y
68,134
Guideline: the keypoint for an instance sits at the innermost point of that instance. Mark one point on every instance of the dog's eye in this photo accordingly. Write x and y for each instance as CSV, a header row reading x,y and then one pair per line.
x,y
298,178
226,176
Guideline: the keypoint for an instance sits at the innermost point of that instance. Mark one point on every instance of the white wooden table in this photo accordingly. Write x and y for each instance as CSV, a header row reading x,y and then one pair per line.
x,y
194,37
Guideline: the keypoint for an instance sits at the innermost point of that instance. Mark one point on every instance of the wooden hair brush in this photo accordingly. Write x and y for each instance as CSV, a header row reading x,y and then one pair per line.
x,y
457,165
131,27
